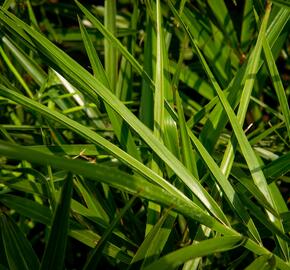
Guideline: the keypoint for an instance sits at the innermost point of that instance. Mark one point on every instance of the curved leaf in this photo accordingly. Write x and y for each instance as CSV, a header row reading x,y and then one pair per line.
x,y
204,248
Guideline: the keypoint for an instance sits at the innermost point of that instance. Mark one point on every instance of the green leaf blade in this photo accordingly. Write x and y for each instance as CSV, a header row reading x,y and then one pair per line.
x,y
54,253
19,252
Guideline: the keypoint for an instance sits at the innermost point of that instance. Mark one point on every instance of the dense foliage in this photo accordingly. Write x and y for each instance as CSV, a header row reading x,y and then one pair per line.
x,y
144,134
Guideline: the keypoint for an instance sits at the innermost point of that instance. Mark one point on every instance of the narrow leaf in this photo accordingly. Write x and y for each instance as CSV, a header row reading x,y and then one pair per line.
x,y
95,256
118,179
19,253
282,3
54,253
276,80
204,248
264,262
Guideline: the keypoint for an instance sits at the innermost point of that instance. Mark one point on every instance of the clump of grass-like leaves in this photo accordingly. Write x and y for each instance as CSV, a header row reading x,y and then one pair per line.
x,y
144,135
